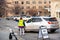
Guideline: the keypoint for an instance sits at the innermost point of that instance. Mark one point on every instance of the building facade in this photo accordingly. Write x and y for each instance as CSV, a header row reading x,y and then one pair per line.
x,y
55,9
28,7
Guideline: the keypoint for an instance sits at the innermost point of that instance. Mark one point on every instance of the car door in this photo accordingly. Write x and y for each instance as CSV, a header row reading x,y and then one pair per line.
x,y
29,24
36,22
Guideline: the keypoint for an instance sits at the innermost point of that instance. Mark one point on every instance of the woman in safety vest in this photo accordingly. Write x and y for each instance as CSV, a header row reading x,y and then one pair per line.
x,y
21,26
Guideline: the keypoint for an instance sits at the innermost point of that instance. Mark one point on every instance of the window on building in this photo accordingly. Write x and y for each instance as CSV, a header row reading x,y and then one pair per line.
x,y
59,14
49,1
49,6
28,7
22,7
22,2
22,13
45,13
16,2
45,6
34,7
49,12
44,2
40,11
16,10
34,2
39,7
39,2
27,2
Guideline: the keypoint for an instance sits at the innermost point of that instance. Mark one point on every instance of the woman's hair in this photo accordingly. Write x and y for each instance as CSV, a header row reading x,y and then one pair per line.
x,y
21,18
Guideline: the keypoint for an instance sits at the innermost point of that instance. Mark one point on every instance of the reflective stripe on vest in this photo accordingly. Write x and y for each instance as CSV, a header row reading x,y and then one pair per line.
x,y
20,23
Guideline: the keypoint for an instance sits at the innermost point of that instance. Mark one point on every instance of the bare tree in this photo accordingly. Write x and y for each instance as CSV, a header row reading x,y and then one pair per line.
x,y
32,12
17,9
2,7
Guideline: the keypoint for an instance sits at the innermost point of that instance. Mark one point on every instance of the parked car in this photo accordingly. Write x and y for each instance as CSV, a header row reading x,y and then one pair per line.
x,y
9,18
24,18
16,17
34,23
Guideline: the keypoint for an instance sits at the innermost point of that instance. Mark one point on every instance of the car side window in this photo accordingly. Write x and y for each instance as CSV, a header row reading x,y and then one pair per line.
x,y
36,19
29,21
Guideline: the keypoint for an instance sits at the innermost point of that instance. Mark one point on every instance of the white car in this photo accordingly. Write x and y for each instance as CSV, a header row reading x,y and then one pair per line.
x,y
26,18
34,23
16,17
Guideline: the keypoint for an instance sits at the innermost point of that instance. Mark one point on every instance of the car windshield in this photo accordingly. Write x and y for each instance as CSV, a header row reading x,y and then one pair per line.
x,y
50,19
28,16
36,19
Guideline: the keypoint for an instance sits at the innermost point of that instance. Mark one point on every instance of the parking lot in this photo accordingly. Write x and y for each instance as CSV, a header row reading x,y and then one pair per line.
x,y
6,24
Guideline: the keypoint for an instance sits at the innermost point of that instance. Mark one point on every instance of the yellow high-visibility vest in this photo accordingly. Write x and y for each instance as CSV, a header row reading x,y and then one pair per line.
x,y
20,23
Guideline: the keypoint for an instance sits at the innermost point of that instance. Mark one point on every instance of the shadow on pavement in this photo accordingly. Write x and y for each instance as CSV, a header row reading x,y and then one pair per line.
x,y
31,32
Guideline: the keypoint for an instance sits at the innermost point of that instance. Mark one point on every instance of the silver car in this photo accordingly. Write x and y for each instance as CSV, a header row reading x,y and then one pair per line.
x,y
34,23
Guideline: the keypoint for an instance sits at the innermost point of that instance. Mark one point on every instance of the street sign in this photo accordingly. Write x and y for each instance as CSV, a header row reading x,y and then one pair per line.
x,y
43,33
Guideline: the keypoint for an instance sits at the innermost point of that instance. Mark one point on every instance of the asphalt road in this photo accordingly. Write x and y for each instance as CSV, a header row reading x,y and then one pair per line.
x,y
6,24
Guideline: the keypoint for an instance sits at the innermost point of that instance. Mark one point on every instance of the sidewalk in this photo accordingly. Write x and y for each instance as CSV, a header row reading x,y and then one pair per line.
x,y
18,36
16,32
5,33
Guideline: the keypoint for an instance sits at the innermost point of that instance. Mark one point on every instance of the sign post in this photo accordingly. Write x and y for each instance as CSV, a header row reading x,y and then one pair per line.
x,y
43,33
